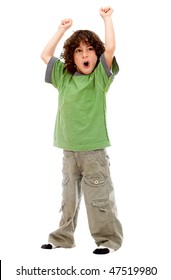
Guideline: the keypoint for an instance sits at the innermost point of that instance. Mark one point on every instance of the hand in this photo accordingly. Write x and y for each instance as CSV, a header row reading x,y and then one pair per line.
x,y
105,12
65,24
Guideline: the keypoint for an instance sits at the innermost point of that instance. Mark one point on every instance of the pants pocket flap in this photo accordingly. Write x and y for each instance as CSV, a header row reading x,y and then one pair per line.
x,y
100,203
95,182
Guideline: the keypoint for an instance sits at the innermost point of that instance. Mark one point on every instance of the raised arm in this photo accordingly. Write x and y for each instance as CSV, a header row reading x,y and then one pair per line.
x,y
49,50
110,44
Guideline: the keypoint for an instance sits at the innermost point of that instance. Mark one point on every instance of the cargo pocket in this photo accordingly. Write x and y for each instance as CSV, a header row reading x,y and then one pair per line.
x,y
96,181
96,188
102,210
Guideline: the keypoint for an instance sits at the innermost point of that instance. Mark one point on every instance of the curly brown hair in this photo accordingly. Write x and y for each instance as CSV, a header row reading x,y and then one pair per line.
x,y
86,36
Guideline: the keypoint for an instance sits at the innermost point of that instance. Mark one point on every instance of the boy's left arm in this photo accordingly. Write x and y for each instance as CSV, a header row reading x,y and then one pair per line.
x,y
110,43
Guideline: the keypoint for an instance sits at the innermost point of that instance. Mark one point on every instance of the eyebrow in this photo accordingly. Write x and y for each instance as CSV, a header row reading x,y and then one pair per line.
x,y
88,45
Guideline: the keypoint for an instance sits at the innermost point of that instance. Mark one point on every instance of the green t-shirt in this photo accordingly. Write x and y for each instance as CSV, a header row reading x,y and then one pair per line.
x,y
81,117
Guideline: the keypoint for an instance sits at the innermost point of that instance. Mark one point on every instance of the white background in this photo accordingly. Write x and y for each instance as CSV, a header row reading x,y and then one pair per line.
x,y
139,118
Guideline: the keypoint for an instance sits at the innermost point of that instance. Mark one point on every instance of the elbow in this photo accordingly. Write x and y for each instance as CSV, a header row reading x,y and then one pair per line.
x,y
42,56
45,57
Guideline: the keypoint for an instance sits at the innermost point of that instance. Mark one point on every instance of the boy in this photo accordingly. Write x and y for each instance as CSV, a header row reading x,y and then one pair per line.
x,y
82,81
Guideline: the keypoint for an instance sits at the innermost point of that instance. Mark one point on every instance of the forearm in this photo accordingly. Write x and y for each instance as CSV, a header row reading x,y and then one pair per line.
x,y
49,50
110,42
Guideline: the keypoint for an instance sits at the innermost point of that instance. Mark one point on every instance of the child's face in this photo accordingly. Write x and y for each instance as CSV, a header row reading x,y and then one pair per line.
x,y
85,58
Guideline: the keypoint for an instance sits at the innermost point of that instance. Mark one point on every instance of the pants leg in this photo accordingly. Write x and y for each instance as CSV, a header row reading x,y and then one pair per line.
x,y
71,198
100,202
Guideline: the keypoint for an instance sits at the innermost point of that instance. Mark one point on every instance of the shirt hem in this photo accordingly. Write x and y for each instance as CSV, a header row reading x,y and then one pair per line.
x,y
85,148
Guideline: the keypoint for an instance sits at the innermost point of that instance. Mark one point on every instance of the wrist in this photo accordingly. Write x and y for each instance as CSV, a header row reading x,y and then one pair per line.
x,y
107,18
61,30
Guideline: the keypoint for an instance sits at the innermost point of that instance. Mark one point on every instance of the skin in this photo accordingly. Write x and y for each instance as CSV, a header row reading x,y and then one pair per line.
x,y
85,59
84,53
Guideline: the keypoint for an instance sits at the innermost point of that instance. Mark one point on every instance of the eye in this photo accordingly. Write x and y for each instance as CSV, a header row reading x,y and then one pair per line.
x,y
77,50
90,48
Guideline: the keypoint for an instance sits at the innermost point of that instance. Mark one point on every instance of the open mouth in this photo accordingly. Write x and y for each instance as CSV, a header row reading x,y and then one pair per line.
x,y
86,63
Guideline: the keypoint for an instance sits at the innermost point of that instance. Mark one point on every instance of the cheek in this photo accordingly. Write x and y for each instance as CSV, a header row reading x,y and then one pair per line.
x,y
76,59
95,60
94,56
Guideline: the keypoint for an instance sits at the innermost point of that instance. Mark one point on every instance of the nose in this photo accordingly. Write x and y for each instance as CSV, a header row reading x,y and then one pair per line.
x,y
84,53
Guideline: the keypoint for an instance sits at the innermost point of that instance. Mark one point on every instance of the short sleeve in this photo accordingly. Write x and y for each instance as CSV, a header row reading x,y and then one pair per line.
x,y
105,75
114,69
54,72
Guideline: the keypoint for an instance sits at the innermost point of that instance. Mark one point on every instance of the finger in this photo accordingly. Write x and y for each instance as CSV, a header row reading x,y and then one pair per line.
x,y
65,21
106,10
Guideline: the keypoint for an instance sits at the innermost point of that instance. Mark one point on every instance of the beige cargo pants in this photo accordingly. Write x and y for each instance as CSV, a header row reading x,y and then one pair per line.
x,y
88,173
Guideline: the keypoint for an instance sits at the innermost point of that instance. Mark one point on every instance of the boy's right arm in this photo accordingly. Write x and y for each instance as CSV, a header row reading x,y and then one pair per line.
x,y
49,50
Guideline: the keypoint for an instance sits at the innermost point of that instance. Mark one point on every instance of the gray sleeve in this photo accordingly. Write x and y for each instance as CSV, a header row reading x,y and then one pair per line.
x,y
49,69
115,68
